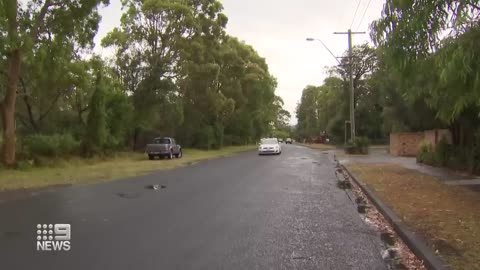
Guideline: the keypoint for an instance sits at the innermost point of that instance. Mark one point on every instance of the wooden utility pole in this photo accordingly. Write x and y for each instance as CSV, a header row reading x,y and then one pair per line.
x,y
352,90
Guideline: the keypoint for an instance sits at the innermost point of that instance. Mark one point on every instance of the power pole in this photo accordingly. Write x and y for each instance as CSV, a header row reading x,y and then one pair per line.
x,y
352,90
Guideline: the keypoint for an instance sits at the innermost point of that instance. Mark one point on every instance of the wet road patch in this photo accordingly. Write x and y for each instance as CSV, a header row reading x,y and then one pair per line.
x,y
128,195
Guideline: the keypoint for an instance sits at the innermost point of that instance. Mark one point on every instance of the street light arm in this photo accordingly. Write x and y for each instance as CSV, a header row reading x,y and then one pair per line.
x,y
312,39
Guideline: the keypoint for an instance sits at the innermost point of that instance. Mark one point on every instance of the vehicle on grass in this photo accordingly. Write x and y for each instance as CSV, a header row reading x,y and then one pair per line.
x,y
163,147
288,140
269,146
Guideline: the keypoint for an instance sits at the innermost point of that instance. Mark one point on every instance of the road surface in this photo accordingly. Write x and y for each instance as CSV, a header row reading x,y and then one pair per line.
x,y
240,212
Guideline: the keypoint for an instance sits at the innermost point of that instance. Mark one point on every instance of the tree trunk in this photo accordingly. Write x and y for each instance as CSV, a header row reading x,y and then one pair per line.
x,y
8,108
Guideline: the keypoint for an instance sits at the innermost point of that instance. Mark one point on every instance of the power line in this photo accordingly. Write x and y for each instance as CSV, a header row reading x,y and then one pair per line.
x,y
355,15
364,12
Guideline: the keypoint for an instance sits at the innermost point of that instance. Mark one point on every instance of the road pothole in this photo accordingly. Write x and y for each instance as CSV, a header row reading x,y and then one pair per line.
x,y
156,187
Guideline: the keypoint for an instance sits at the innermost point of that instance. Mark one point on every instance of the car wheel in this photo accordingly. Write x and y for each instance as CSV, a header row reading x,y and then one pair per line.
x,y
179,155
151,157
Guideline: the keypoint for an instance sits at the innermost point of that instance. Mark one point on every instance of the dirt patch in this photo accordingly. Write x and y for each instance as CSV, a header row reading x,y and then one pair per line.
x,y
447,217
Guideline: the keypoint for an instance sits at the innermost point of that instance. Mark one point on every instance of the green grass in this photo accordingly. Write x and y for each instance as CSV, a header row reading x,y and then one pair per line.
x,y
447,217
85,171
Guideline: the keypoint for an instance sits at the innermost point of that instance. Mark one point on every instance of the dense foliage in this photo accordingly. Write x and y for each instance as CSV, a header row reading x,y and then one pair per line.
x,y
175,72
326,108
424,73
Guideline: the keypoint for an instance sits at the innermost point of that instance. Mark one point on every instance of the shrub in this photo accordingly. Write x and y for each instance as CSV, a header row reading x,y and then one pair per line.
x,y
24,165
67,145
41,145
424,152
361,142
50,145
359,146
441,153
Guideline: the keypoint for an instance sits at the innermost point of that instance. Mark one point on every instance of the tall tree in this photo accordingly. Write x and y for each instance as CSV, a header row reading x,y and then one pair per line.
x,y
96,129
432,48
23,27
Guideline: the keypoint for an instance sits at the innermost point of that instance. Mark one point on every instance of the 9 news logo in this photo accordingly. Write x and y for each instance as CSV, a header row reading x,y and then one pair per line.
x,y
53,237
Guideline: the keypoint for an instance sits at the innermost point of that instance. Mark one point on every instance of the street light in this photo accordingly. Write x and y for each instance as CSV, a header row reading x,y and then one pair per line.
x,y
316,39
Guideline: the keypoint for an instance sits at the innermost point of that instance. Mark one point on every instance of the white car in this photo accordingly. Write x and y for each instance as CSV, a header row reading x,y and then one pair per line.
x,y
269,146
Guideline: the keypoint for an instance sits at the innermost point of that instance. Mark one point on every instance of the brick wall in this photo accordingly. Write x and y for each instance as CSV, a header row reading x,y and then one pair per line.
x,y
408,143
405,143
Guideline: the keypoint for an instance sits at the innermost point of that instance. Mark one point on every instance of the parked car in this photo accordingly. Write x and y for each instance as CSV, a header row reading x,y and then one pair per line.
x,y
280,140
288,140
163,147
269,146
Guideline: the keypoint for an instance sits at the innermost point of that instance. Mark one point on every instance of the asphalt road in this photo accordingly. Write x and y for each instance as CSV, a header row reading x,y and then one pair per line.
x,y
241,212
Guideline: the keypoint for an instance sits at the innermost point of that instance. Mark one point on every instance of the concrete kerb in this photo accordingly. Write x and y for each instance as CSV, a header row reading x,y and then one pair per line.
x,y
418,247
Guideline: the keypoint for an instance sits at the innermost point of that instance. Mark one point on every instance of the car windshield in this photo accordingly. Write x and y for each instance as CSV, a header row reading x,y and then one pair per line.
x,y
162,141
269,141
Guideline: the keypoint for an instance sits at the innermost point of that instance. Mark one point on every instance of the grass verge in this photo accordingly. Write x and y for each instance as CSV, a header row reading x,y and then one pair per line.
x,y
82,171
447,217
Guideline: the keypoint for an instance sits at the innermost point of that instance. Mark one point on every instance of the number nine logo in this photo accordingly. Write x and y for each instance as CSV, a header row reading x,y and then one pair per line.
x,y
62,232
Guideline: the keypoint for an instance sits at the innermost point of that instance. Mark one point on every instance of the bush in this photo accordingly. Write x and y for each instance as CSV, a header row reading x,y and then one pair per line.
x,y
24,165
361,142
359,146
425,153
441,153
454,157
67,145
50,145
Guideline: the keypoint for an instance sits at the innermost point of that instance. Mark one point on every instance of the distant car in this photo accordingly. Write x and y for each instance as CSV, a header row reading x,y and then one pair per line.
x,y
288,140
280,140
269,146
163,147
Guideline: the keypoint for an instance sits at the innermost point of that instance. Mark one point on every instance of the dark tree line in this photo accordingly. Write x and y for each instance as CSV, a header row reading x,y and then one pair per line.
x,y
175,72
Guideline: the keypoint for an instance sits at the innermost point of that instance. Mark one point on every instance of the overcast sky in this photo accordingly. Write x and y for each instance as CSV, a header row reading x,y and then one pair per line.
x,y
277,30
